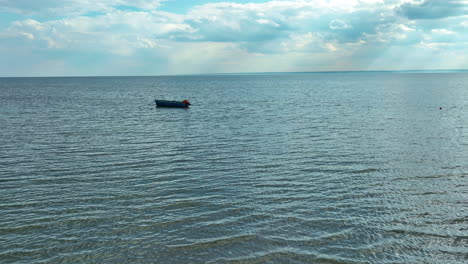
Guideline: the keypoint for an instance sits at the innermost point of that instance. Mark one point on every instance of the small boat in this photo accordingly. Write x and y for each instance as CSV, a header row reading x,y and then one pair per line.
x,y
166,103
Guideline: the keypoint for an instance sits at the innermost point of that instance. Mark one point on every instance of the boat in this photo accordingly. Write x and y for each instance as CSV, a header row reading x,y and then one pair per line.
x,y
167,103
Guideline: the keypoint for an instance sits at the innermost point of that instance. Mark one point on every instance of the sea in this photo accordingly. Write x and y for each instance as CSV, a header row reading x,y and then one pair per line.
x,y
333,168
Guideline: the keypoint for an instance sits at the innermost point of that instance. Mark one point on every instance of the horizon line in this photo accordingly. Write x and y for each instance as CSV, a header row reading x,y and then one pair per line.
x,y
251,73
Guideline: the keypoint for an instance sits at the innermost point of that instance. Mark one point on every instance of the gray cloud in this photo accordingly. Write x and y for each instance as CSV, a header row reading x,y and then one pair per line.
x,y
433,9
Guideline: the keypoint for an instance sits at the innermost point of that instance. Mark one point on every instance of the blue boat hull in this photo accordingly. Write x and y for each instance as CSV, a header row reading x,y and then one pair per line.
x,y
166,103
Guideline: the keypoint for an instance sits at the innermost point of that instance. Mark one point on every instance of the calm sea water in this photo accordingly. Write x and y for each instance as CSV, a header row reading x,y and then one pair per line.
x,y
281,168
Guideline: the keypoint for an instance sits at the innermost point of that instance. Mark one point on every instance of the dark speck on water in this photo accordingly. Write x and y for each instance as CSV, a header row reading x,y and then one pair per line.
x,y
276,168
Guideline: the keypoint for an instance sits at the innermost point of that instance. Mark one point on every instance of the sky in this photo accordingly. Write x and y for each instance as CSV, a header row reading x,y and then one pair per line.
x,y
167,37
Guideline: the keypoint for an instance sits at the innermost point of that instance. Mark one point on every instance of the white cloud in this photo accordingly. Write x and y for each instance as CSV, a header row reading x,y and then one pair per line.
x,y
337,24
405,27
72,7
116,32
442,31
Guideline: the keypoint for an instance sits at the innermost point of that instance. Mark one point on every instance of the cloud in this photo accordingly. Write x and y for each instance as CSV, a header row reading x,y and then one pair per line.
x,y
117,32
343,21
52,8
433,9
226,22
338,24
300,35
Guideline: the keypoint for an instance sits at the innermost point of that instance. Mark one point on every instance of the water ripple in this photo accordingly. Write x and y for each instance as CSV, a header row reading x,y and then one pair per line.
x,y
287,168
